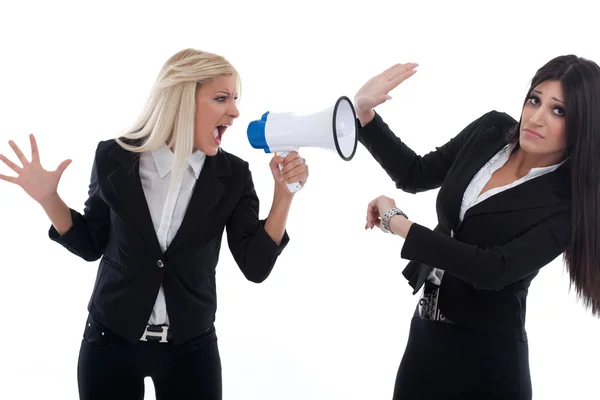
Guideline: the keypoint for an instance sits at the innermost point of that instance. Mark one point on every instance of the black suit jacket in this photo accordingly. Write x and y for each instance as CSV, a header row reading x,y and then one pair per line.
x,y
502,242
116,225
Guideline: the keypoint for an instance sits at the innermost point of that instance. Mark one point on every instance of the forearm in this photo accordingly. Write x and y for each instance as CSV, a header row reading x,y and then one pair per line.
x,y
409,171
59,213
277,218
490,267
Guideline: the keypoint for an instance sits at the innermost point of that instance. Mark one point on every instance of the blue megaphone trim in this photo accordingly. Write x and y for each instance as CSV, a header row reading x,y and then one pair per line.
x,y
256,133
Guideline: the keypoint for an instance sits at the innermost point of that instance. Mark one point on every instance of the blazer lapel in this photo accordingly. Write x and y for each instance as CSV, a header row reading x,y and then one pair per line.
x,y
127,186
206,195
465,170
534,193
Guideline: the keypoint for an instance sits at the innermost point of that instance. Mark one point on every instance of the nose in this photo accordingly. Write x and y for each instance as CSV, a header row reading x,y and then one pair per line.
x,y
233,111
538,117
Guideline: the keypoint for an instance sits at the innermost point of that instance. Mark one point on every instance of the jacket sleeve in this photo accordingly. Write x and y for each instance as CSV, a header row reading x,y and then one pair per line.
x,y
88,236
490,268
251,246
411,172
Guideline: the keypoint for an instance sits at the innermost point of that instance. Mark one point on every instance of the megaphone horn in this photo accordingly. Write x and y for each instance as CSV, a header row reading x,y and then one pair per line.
x,y
334,128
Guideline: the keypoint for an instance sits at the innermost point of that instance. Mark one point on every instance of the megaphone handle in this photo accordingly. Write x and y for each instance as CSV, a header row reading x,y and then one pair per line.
x,y
293,187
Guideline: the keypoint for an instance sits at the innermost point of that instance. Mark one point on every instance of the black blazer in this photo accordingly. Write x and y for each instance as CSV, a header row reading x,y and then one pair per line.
x,y
116,225
491,257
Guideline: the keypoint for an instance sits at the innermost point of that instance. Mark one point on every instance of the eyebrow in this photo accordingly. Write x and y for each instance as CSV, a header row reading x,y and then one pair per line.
x,y
538,92
223,92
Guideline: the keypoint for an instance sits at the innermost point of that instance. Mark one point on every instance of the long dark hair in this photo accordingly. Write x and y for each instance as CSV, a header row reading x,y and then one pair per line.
x,y
580,79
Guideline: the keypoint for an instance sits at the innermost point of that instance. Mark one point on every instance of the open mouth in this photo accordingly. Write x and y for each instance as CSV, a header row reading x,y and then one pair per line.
x,y
218,133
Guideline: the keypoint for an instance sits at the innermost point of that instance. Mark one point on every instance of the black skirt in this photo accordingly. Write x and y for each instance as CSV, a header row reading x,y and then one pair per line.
x,y
447,361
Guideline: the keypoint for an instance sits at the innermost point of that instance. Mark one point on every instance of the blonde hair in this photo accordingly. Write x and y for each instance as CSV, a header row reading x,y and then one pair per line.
x,y
170,111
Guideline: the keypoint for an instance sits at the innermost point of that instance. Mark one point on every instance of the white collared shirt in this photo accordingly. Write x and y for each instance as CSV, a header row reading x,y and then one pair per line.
x,y
471,197
167,208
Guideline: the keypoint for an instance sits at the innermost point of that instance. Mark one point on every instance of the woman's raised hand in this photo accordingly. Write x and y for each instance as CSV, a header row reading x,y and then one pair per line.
x,y
38,183
375,91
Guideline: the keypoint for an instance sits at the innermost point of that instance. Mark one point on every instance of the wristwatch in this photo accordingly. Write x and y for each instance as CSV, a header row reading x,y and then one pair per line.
x,y
386,218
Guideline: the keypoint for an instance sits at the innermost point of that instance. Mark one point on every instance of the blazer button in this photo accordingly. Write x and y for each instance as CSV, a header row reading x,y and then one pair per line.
x,y
160,264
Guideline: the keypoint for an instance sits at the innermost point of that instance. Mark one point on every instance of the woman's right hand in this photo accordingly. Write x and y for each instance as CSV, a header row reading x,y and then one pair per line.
x,y
375,91
37,182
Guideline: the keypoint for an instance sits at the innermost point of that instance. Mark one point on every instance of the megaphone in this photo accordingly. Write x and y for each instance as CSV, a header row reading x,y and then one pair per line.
x,y
334,128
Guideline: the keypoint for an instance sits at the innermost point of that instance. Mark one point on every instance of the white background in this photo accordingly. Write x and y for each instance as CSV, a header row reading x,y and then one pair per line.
x,y
331,322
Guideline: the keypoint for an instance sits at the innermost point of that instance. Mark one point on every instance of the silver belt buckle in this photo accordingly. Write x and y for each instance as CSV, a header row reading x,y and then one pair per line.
x,y
162,334
428,303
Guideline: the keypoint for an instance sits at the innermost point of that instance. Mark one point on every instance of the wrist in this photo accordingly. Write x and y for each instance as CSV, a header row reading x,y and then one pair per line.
x,y
365,116
387,217
400,225
282,197
50,201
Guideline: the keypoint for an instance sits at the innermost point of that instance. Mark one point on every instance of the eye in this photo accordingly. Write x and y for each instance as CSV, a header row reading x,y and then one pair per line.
x,y
534,100
221,99
559,111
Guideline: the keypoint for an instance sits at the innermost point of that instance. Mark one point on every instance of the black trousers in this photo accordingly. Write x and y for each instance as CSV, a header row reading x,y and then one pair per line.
x,y
111,368
447,361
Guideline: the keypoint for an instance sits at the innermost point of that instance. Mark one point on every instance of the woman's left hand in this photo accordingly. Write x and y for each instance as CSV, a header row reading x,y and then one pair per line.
x,y
376,209
294,170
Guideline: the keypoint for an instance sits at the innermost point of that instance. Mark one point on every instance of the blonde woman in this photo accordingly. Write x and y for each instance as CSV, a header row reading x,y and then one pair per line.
x,y
160,197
